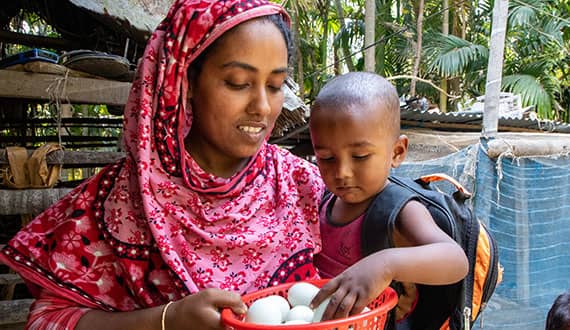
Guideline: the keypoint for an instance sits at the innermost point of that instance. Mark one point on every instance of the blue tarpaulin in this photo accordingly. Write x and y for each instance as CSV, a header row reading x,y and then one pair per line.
x,y
525,202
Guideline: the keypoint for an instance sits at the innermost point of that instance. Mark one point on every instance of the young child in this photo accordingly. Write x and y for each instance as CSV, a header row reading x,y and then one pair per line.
x,y
558,317
355,132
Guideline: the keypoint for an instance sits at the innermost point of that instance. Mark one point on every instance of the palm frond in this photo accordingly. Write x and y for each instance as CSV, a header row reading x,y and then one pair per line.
x,y
521,15
533,91
295,5
485,6
449,55
552,30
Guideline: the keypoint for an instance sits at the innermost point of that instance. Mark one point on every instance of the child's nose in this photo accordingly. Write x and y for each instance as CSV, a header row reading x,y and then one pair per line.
x,y
343,171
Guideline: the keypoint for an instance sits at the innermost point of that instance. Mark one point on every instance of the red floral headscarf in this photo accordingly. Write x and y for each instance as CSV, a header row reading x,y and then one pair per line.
x,y
154,226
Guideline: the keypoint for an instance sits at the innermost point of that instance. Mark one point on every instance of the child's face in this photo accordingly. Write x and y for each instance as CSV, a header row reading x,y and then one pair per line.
x,y
355,151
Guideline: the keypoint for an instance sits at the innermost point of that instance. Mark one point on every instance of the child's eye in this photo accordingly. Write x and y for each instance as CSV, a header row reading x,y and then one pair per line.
x,y
325,159
360,157
275,89
235,85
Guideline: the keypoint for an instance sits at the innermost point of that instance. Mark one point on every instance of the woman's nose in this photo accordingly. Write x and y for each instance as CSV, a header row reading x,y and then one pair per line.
x,y
259,104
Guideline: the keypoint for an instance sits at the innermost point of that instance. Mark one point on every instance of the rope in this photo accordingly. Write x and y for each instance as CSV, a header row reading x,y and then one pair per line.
x,y
57,91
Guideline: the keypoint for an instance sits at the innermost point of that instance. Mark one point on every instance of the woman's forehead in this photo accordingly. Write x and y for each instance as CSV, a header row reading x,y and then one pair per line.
x,y
251,41
248,32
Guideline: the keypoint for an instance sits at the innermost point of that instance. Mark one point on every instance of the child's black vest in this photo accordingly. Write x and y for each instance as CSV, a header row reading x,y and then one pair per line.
x,y
457,305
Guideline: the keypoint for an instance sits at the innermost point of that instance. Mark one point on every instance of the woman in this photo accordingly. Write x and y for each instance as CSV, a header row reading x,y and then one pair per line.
x,y
202,209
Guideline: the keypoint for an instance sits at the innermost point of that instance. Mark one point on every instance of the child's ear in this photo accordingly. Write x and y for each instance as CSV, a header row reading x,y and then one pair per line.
x,y
400,150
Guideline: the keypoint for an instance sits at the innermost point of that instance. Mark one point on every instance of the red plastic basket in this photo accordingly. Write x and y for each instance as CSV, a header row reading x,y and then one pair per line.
x,y
373,319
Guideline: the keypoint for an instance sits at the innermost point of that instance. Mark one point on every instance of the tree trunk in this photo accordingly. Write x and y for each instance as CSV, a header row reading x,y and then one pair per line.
x,y
298,53
369,36
346,51
418,53
383,17
325,41
445,31
495,68
465,6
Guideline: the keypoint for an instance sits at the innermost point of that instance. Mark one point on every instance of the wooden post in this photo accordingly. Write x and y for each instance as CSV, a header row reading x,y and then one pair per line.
x,y
495,69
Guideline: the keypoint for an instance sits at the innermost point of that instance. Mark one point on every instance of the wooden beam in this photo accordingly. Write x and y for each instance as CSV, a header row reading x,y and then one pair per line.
x,y
29,201
36,41
111,140
14,311
38,86
75,158
536,147
68,121
10,279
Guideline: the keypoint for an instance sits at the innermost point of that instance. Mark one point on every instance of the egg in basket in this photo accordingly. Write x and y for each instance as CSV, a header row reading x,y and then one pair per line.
x,y
285,307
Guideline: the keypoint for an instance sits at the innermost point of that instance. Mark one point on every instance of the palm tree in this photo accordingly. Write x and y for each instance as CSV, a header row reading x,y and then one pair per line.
x,y
534,60
537,61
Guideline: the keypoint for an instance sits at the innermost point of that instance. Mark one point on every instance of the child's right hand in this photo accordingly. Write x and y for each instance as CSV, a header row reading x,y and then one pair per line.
x,y
202,310
354,288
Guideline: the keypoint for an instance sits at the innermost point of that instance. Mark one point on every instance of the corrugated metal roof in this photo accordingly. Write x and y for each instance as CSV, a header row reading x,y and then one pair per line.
x,y
457,122
473,121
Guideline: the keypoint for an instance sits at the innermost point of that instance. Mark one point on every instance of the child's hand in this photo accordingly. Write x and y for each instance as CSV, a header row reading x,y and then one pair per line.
x,y
353,289
202,310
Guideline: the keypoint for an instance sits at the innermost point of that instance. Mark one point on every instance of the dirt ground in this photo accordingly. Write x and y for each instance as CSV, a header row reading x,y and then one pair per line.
x,y
502,314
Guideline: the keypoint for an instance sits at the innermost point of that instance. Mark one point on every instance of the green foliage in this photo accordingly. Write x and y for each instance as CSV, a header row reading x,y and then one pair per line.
x,y
522,15
537,50
29,23
449,56
531,89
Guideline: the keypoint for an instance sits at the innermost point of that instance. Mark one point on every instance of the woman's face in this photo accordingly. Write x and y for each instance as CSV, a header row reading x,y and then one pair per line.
x,y
237,96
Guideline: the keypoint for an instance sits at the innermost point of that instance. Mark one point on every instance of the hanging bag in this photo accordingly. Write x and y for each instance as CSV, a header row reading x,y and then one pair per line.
x,y
24,172
15,174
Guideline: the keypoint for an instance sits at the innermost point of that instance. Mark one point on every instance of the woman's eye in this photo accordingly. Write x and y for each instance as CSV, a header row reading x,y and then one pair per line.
x,y
325,159
236,86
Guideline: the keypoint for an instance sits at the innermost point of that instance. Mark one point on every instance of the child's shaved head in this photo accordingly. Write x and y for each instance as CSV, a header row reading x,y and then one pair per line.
x,y
362,92
355,132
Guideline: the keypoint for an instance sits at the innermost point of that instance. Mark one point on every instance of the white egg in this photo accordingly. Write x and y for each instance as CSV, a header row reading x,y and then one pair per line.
x,y
264,311
318,315
282,303
296,322
301,293
300,312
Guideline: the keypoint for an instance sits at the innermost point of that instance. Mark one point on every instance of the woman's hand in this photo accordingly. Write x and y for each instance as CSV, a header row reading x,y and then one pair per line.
x,y
198,311
353,289
202,310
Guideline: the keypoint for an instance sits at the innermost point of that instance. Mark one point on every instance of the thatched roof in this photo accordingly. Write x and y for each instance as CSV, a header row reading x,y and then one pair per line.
x,y
102,25
139,17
